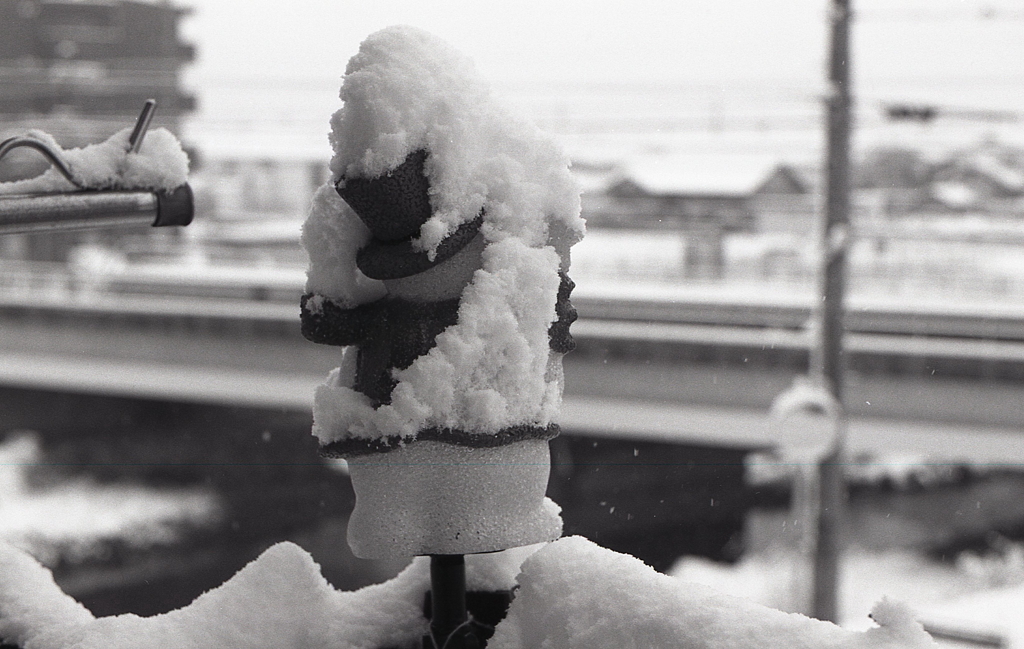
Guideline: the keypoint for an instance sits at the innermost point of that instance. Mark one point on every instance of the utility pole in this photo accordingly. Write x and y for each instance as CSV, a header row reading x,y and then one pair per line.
x,y
827,357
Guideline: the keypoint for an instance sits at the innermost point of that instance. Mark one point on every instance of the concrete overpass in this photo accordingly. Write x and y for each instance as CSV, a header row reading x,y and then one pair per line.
x,y
659,416
674,376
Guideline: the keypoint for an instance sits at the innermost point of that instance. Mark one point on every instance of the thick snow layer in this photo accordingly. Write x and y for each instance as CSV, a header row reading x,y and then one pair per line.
x,y
332,235
31,603
572,594
160,164
279,600
487,372
780,578
406,91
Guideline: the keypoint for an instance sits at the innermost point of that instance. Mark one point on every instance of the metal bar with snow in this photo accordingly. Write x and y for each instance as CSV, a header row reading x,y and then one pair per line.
x,y
115,183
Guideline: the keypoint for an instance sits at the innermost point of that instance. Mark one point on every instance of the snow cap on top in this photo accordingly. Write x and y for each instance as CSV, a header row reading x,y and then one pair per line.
x,y
407,90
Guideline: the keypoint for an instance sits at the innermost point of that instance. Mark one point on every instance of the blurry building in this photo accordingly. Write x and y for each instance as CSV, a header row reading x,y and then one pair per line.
x,y
989,179
704,197
79,69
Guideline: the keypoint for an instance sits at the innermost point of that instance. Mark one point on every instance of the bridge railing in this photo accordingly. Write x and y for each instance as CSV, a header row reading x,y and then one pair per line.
x,y
961,286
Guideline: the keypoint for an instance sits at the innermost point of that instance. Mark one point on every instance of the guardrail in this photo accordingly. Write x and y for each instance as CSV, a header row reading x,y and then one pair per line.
x,y
141,287
983,342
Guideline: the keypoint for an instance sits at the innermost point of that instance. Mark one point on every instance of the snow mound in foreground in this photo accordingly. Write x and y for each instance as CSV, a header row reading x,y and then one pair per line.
x,y
572,594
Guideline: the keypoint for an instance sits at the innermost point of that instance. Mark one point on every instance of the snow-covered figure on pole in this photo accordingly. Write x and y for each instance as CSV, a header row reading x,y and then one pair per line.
x,y
439,257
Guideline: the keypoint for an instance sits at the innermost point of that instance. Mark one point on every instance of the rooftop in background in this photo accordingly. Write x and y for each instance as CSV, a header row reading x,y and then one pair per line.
x,y
708,175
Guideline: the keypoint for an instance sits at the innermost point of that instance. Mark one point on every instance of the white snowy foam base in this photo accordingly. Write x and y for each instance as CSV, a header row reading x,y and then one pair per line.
x,y
572,595
437,498
160,164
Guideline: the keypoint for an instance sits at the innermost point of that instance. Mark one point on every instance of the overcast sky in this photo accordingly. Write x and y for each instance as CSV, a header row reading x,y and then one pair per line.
x,y
604,40
276,66
588,40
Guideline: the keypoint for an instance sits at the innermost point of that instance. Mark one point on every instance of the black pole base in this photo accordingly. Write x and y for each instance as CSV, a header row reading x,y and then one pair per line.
x,y
449,619
459,620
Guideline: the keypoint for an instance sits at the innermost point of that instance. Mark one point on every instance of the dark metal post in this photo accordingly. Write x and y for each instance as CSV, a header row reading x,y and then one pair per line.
x,y
141,126
828,358
448,603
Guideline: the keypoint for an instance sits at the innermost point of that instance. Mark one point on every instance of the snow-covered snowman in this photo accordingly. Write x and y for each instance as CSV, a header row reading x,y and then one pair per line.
x,y
438,258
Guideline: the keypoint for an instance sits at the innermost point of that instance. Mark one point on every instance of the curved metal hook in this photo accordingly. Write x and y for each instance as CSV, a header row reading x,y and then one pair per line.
x,y
55,157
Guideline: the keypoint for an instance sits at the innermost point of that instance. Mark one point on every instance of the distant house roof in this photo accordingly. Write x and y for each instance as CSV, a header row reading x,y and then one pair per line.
x,y
991,169
706,175
1008,179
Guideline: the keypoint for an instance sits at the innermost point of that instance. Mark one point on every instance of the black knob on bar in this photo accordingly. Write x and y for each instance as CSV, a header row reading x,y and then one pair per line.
x,y
175,207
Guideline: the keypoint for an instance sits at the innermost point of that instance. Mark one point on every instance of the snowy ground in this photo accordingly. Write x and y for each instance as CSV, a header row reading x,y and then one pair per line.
x,y
965,597
888,533
75,519
906,525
